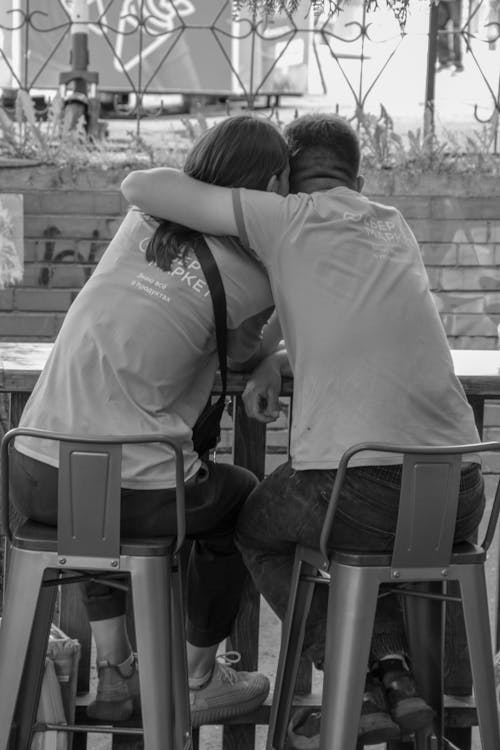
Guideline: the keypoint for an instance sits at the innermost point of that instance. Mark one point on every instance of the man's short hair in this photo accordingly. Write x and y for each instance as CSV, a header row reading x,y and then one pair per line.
x,y
322,145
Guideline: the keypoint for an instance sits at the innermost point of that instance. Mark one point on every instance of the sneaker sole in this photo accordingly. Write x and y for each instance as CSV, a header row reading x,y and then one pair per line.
x,y
412,714
113,710
219,714
376,728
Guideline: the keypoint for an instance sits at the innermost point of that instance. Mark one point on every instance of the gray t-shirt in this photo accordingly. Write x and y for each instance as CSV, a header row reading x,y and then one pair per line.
x,y
137,351
369,354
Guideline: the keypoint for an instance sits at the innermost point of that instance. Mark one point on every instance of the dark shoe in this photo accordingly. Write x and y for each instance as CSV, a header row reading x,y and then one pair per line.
x,y
303,730
117,697
407,708
375,724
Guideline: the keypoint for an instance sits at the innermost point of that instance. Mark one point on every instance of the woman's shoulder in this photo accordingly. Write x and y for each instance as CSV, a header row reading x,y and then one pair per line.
x,y
135,215
233,257
245,280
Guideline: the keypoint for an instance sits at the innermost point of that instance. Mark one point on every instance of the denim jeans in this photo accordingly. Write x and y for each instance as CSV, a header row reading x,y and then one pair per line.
x,y
216,573
449,11
289,507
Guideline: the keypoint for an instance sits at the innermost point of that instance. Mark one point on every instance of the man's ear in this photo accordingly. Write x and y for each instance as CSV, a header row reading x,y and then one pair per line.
x,y
273,185
360,181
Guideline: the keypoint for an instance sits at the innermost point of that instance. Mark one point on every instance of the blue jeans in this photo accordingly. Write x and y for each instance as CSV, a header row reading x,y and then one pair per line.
x,y
288,508
216,573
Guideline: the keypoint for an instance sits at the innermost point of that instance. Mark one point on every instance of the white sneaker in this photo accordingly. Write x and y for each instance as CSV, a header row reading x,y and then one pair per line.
x,y
117,697
227,694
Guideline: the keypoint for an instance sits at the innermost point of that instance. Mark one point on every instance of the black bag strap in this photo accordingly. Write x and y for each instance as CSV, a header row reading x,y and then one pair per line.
x,y
216,288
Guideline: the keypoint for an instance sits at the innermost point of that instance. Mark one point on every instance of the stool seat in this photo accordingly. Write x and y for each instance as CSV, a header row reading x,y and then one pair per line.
x,y
463,553
38,536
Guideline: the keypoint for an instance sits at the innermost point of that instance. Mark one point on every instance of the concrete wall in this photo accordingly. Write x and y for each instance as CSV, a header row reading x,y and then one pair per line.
x,y
70,217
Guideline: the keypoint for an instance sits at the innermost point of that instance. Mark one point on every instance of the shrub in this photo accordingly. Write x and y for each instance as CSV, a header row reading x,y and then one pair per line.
x,y
417,152
422,151
50,141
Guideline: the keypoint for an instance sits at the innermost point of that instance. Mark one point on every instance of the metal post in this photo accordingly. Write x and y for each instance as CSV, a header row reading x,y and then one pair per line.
x,y
79,85
431,70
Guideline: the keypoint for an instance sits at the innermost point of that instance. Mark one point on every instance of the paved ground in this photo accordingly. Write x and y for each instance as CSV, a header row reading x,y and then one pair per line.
x,y
211,737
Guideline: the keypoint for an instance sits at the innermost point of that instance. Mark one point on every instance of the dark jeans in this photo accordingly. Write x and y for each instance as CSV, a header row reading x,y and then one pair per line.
x,y
449,12
289,508
216,573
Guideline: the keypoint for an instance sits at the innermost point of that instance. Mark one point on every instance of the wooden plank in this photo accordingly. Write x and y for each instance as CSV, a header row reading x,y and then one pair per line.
x,y
249,440
73,620
21,363
17,404
249,450
459,712
477,403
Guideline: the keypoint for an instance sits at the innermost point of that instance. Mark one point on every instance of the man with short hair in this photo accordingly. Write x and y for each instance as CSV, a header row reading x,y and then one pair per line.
x,y
371,363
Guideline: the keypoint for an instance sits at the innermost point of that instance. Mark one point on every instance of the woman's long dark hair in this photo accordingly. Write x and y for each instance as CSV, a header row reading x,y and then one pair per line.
x,y
241,151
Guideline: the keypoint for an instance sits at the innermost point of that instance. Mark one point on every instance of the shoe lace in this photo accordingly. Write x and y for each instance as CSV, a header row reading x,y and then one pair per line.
x,y
115,668
225,672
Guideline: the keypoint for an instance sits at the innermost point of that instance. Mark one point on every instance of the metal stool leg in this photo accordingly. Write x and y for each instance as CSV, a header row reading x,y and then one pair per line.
x,y
182,721
351,614
425,631
292,638
23,587
475,605
34,667
150,584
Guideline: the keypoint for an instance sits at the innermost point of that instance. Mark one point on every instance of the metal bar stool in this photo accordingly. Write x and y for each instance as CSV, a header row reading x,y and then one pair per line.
x,y
423,556
87,540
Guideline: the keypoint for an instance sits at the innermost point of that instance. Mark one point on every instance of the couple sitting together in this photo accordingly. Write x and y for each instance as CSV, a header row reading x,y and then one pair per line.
x,y
308,260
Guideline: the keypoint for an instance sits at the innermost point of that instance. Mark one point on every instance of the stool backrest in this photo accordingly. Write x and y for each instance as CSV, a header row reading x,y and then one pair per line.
x,y
428,503
427,510
89,491
88,510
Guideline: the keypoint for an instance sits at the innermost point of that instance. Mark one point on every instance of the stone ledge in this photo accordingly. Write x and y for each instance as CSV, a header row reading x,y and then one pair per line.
x,y
23,174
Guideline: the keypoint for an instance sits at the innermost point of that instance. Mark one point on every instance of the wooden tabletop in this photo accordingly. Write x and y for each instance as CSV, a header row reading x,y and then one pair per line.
x,y
21,363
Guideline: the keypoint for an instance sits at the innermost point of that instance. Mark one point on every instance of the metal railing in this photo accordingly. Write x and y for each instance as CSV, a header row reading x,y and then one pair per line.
x,y
448,54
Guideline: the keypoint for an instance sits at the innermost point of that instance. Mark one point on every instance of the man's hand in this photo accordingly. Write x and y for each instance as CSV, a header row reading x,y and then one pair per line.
x,y
261,394
168,193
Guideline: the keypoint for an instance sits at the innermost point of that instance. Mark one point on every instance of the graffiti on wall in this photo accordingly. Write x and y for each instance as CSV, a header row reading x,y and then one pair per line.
x,y
11,239
465,273
65,265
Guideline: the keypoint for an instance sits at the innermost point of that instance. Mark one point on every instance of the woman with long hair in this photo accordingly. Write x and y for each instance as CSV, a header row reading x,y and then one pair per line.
x,y
137,354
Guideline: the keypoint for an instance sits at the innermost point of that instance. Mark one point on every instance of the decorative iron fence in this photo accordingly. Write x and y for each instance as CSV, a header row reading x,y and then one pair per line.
x,y
447,55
